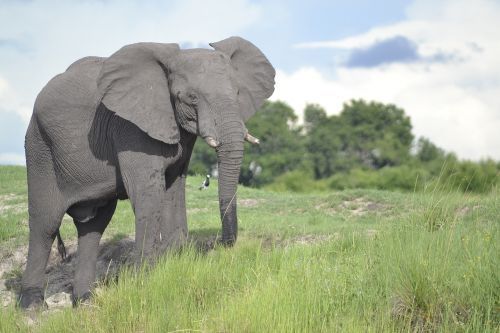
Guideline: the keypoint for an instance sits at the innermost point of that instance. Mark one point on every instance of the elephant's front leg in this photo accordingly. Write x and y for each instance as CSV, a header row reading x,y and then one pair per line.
x,y
173,228
148,202
155,206
174,225
160,218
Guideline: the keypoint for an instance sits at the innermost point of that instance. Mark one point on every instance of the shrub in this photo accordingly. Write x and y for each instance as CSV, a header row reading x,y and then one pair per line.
x,y
296,181
388,178
467,176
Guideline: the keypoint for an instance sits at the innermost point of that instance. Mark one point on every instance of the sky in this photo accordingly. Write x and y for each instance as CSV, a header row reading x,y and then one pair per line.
x,y
439,60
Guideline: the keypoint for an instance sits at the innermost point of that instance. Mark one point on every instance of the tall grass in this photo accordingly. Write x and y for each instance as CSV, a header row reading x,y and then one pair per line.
x,y
13,202
442,279
409,278
431,265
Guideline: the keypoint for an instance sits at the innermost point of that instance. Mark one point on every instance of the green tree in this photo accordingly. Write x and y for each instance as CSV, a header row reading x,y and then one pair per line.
x,y
428,151
324,145
376,134
281,146
364,135
314,114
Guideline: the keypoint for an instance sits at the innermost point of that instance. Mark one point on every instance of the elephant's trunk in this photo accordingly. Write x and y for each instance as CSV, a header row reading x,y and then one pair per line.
x,y
229,157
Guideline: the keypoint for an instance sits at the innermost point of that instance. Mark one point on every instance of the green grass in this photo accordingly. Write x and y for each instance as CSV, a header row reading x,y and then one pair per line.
x,y
352,261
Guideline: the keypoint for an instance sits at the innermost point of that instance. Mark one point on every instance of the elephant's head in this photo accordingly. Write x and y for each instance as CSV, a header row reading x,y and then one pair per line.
x,y
210,93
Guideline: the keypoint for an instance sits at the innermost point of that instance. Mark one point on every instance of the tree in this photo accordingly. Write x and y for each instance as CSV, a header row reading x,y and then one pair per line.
x,y
314,114
324,147
368,135
376,134
428,151
281,146
364,135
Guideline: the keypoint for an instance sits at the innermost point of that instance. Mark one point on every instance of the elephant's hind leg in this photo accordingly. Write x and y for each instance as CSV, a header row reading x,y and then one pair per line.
x,y
43,230
89,236
46,209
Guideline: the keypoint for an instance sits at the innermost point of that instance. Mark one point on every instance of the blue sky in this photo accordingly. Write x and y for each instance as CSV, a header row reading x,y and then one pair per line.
x,y
439,60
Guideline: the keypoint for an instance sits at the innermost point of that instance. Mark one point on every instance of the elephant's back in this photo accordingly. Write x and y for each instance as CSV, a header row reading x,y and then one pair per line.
x,y
64,113
69,99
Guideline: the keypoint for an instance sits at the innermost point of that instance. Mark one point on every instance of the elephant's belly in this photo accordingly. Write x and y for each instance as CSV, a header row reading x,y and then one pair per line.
x,y
86,210
88,185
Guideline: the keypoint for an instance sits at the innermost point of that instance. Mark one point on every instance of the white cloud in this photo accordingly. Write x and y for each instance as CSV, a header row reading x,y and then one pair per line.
x,y
40,38
455,103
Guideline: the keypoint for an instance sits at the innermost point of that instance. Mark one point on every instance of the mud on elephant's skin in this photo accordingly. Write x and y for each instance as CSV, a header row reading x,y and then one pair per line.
x,y
124,127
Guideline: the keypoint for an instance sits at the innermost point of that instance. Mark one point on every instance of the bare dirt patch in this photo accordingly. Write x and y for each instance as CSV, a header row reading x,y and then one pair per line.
x,y
196,210
311,239
7,197
361,206
462,211
248,202
357,207
325,208
6,205
308,239
113,254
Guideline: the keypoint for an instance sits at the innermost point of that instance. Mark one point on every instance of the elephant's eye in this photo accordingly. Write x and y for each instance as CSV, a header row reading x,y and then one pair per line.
x,y
193,98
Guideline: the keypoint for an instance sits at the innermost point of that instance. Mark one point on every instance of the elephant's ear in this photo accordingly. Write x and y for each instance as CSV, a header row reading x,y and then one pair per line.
x,y
254,73
133,83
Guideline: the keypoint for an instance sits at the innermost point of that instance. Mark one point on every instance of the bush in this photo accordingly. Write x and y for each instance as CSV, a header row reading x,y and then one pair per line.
x,y
388,178
297,181
467,176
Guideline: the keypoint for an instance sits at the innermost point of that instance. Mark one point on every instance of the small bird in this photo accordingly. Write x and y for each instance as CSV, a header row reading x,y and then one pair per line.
x,y
205,183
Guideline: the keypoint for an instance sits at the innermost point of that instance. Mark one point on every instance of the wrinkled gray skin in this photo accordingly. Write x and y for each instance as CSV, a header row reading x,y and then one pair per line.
x,y
124,127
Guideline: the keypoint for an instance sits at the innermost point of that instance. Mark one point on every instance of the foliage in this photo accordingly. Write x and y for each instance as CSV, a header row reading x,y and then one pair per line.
x,y
314,115
427,151
280,150
371,135
468,176
296,181
324,147
395,178
367,145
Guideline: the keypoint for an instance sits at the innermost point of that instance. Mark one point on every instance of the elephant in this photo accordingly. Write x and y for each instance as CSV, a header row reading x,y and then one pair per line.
x,y
123,127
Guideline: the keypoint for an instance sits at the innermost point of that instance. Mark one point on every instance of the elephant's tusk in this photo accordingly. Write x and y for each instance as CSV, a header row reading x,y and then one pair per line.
x,y
250,138
211,142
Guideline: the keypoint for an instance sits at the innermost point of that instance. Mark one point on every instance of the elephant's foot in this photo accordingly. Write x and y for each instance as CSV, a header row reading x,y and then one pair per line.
x,y
226,242
82,299
31,298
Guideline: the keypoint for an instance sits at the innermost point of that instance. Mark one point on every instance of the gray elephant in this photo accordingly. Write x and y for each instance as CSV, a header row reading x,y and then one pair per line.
x,y
124,127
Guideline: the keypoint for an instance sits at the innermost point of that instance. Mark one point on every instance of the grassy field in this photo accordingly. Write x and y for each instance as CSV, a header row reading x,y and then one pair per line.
x,y
351,261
